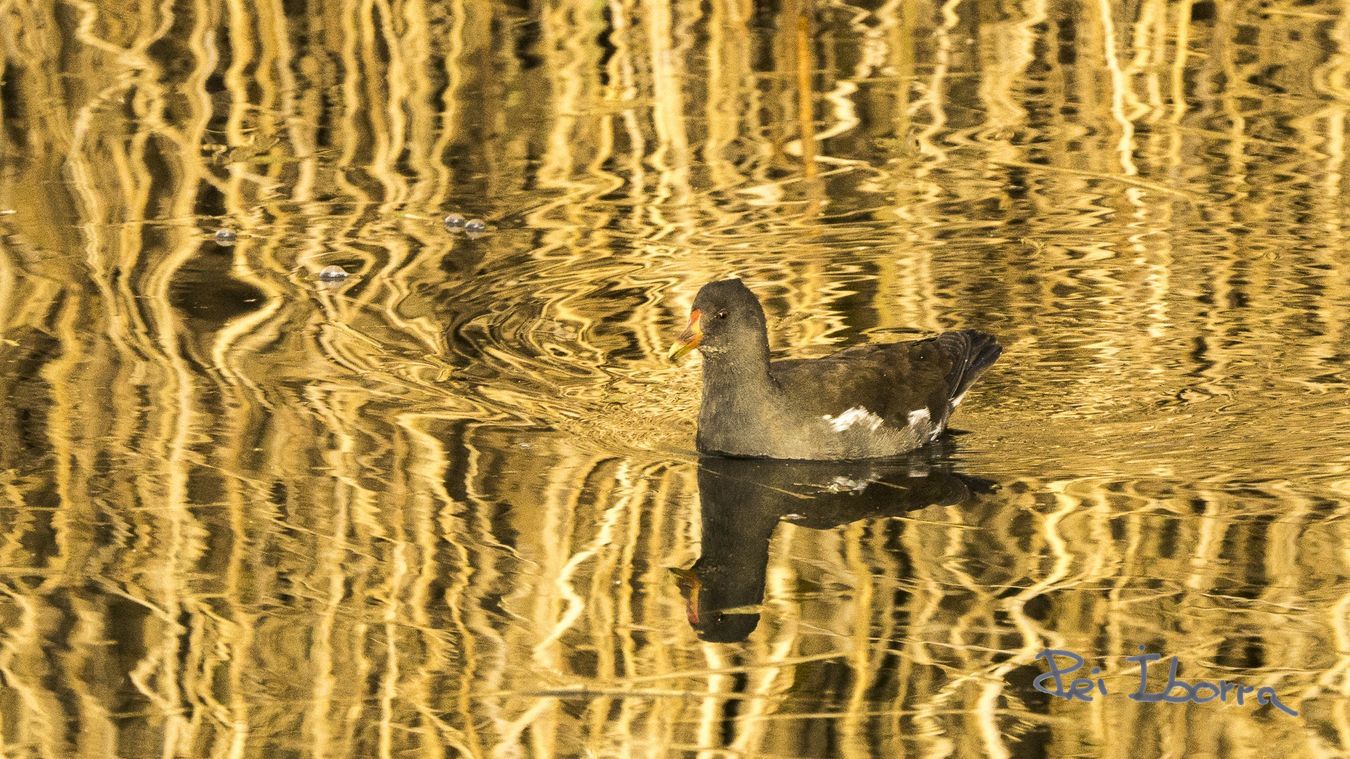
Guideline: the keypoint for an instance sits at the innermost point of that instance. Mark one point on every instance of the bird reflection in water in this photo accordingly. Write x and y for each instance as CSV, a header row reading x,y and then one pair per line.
x,y
743,500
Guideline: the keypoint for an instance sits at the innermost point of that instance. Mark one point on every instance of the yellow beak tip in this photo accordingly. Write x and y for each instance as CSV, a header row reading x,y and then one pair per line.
x,y
689,339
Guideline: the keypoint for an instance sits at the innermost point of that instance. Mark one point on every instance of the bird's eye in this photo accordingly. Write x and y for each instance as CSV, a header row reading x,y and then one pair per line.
x,y
722,314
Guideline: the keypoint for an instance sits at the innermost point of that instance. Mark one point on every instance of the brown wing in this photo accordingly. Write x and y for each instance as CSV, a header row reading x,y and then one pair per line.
x,y
891,380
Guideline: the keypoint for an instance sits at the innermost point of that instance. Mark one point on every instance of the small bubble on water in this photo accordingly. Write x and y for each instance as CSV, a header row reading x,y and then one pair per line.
x,y
453,221
226,236
475,227
333,274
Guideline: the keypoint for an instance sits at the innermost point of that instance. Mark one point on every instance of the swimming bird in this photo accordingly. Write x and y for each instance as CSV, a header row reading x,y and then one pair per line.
x,y
866,401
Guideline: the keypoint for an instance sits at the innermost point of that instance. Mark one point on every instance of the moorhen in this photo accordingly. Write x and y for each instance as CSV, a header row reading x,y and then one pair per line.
x,y
867,401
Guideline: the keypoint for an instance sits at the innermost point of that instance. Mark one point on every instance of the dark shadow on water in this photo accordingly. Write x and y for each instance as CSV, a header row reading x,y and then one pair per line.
x,y
743,500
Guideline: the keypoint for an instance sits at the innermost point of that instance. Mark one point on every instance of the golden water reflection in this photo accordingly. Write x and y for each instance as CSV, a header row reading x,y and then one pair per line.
x,y
434,508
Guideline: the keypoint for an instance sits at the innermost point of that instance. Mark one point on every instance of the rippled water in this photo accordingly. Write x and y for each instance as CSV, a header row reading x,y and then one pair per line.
x,y
449,504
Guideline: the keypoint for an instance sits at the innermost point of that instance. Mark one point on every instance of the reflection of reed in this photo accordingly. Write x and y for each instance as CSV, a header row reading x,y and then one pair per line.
x,y
246,515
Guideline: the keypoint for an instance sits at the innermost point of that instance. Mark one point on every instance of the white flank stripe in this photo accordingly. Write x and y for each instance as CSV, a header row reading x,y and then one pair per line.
x,y
854,416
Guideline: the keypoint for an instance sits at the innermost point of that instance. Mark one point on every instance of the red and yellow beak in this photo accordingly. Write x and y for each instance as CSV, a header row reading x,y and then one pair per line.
x,y
689,338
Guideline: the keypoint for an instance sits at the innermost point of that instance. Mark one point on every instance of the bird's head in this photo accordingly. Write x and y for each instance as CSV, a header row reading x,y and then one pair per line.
x,y
726,318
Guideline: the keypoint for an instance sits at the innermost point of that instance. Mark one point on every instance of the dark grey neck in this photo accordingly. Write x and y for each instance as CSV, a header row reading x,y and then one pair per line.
x,y
738,401
738,377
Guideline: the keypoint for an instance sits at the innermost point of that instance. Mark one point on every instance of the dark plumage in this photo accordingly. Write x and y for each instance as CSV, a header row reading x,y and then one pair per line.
x,y
867,401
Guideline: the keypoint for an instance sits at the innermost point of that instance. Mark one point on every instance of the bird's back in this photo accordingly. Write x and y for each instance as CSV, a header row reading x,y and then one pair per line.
x,y
880,399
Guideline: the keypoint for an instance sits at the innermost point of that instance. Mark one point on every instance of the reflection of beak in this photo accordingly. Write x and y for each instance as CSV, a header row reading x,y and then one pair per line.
x,y
689,338
689,584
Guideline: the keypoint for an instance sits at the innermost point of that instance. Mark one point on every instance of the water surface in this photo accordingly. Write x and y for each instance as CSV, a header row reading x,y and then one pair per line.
x,y
450,506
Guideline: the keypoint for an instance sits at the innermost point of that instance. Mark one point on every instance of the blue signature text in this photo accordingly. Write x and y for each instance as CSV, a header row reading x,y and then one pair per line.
x,y
1176,691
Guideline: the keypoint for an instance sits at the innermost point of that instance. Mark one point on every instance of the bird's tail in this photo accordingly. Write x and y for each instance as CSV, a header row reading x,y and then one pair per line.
x,y
982,350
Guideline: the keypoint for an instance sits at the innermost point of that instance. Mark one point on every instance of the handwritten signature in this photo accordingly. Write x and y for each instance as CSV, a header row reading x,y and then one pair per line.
x,y
1177,690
